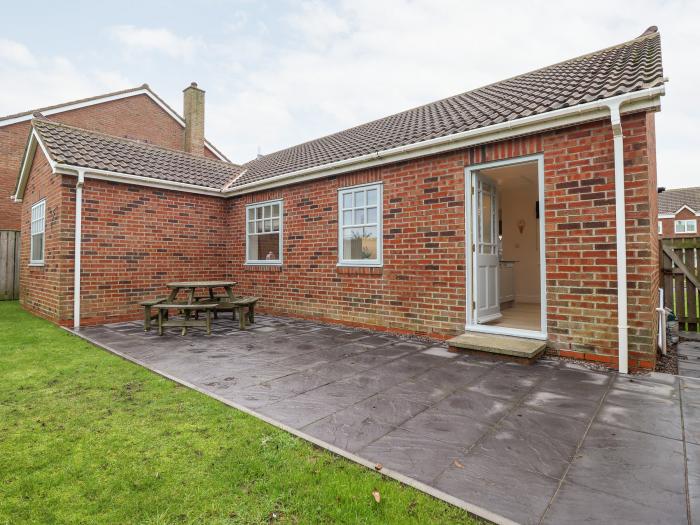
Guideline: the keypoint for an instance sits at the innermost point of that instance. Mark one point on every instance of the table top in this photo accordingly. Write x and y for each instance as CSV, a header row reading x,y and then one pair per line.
x,y
201,284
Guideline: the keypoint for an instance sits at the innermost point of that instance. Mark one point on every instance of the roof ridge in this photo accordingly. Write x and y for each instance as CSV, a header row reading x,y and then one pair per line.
x,y
77,101
133,141
644,36
684,188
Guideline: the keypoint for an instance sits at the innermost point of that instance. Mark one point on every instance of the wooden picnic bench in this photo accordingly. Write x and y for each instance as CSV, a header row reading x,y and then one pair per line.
x,y
187,321
149,314
243,306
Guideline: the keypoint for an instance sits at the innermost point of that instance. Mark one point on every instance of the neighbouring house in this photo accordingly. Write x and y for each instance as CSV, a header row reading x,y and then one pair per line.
x,y
679,210
136,113
523,209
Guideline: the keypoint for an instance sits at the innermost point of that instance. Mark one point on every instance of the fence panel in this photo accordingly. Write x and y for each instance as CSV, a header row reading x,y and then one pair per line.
x,y
9,265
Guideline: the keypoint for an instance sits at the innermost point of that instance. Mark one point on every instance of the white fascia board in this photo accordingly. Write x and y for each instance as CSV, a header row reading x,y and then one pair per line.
x,y
126,178
686,207
666,215
27,162
644,99
102,100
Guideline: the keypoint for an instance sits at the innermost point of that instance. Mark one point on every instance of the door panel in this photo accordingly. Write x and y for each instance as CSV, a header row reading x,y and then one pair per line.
x,y
485,235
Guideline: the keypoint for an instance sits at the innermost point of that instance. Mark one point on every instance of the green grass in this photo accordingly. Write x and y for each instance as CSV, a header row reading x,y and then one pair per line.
x,y
86,437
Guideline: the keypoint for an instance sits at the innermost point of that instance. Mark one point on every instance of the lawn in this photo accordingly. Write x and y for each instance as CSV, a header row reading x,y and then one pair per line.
x,y
86,437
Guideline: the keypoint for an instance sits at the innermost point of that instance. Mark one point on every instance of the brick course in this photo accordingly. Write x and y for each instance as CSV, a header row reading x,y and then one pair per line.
x,y
155,236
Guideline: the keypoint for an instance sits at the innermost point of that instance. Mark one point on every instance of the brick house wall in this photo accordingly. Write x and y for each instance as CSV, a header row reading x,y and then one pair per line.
x,y
135,117
669,226
137,238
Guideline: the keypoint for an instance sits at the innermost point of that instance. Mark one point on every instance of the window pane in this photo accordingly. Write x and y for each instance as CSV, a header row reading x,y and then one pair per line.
x,y
264,247
371,215
347,218
275,210
251,227
267,210
258,213
268,225
347,200
259,226
371,197
369,243
38,247
359,198
275,225
691,227
352,244
359,216
486,211
251,213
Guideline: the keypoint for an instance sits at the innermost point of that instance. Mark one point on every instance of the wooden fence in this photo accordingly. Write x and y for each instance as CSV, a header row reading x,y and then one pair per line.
x,y
680,279
9,265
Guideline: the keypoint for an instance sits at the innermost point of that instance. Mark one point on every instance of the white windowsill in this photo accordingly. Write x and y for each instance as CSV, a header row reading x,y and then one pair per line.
x,y
359,265
36,264
263,263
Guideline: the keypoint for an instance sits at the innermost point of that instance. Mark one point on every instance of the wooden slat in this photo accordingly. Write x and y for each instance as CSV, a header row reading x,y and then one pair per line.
x,y
9,265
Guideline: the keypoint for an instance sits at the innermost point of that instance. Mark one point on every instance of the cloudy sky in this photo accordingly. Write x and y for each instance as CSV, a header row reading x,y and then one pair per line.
x,y
279,73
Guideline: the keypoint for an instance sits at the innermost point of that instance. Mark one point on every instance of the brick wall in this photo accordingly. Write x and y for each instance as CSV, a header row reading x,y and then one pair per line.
x,y
40,286
135,240
155,236
136,117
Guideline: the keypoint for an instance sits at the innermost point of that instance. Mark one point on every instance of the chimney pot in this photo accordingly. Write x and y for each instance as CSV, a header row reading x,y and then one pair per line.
x,y
193,102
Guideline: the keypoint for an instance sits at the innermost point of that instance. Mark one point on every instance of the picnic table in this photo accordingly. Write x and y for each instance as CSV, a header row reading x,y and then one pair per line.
x,y
192,286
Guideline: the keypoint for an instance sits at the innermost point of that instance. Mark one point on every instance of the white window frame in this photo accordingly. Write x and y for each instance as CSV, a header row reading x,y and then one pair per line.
x,y
38,218
661,227
379,261
686,223
255,206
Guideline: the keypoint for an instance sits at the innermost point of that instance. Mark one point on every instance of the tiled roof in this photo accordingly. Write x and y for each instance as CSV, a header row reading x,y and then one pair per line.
x,y
670,201
90,149
628,67
632,66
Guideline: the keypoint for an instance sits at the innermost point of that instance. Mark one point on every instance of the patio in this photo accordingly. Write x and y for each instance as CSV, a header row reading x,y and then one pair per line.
x,y
550,443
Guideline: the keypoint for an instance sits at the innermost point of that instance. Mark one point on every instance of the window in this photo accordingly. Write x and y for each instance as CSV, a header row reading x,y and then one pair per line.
x,y
264,233
661,227
687,226
360,225
37,233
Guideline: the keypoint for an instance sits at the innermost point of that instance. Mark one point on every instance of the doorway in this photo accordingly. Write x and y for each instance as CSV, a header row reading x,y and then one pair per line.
x,y
506,263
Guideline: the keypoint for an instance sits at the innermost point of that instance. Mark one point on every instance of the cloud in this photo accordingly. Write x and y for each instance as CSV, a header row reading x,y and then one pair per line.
x,y
160,40
30,82
16,53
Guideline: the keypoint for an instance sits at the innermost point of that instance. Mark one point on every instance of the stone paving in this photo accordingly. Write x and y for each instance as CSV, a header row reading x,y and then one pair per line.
x,y
550,443
689,358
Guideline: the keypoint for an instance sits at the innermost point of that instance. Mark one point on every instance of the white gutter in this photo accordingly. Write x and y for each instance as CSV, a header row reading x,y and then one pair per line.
x,y
621,234
78,243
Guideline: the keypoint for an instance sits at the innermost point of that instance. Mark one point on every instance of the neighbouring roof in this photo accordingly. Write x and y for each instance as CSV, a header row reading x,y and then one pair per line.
x,y
143,89
617,70
93,150
670,201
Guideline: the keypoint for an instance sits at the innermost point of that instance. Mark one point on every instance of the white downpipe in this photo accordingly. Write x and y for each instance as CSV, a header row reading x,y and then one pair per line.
x,y
78,243
662,322
623,350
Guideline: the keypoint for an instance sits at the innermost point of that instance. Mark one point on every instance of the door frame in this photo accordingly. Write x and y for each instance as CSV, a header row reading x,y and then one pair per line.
x,y
470,255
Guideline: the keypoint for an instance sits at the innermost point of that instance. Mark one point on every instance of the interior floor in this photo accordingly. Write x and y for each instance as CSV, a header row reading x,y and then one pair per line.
x,y
525,316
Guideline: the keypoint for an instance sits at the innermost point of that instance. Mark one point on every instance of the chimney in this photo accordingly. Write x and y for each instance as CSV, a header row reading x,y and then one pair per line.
x,y
194,119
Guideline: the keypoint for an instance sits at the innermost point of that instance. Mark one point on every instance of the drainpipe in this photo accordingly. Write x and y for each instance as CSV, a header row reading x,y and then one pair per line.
x,y
78,242
621,237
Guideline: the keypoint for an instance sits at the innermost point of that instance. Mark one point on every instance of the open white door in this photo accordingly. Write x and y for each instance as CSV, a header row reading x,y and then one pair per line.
x,y
485,235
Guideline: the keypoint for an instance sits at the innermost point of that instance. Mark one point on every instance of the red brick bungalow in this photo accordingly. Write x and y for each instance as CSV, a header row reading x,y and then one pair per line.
x,y
498,211
679,213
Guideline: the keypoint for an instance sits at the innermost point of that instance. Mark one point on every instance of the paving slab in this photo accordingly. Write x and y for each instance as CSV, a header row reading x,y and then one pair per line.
x,y
553,442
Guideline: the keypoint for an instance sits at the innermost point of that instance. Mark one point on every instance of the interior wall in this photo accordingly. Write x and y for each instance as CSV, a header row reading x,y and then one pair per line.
x,y
517,204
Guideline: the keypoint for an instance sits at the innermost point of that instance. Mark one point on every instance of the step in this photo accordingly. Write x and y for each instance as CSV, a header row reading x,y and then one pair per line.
x,y
518,349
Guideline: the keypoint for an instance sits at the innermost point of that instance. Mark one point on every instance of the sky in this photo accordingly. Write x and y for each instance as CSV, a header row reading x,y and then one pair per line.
x,y
279,73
